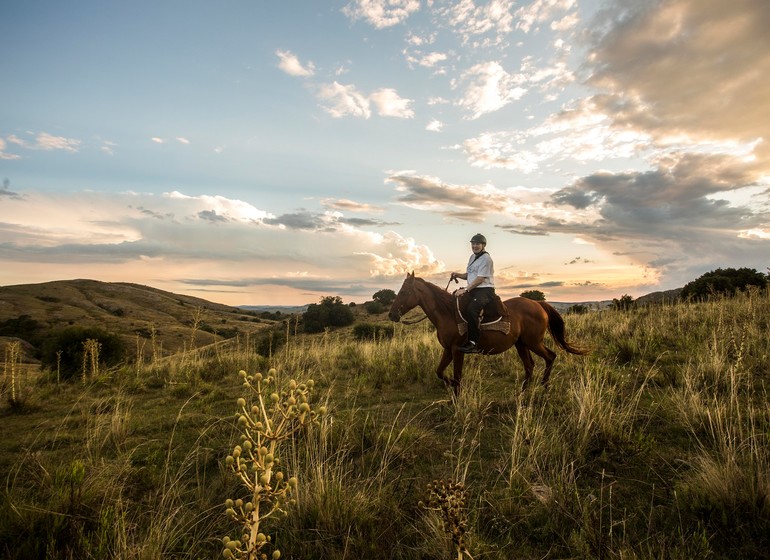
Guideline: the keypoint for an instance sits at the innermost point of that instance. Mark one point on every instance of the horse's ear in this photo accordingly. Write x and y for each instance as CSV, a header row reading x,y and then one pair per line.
x,y
412,274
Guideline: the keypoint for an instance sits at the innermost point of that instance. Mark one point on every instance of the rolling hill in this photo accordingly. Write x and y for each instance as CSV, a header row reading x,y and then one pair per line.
x,y
128,310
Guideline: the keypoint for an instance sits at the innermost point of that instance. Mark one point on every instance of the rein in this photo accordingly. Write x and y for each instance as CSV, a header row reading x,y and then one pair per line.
x,y
414,322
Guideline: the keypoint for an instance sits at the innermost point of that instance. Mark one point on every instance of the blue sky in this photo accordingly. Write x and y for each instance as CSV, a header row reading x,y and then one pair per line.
x,y
278,152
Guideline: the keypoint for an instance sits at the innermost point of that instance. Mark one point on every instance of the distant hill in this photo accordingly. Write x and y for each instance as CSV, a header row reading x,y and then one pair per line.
x,y
130,310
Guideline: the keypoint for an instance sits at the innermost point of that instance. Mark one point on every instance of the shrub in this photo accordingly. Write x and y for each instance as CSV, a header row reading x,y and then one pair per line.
x,y
64,351
368,331
374,307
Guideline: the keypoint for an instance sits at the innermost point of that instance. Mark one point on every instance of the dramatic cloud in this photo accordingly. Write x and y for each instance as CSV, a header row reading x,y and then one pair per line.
x,y
381,13
289,63
473,203
693,68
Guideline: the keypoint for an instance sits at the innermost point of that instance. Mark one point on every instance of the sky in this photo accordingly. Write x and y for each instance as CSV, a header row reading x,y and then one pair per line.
x,y
274,153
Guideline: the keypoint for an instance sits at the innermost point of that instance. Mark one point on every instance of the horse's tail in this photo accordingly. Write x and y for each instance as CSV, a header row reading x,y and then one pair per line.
x,y
558,330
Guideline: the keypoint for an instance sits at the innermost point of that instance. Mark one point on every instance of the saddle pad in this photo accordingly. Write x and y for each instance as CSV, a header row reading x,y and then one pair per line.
x,y
502,326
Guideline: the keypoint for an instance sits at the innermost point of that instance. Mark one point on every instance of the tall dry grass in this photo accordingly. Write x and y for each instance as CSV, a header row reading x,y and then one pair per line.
x,y
655,445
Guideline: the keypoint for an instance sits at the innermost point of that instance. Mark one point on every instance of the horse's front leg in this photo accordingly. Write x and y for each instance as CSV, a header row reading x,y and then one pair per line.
x,y
459,358
446,357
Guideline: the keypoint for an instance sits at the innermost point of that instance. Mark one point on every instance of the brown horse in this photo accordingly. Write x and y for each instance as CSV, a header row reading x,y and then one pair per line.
x,y
528,322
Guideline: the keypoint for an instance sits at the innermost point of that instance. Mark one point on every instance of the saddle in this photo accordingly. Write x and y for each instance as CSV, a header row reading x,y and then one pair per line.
x,y
494,316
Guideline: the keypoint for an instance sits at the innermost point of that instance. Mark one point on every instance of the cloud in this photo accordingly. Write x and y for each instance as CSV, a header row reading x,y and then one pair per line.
x,y
542,11
343,204
685,68
343,100
346,100
381,13
674,217
4,154
203,240
489,88
396,256
46,141
390,104
494,18
471,203
289,63
434,126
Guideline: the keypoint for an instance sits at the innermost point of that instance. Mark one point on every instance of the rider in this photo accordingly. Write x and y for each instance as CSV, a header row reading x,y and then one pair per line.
x,y
480,275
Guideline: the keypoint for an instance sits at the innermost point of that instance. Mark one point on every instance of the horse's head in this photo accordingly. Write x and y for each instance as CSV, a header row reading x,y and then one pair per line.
x,y
406,299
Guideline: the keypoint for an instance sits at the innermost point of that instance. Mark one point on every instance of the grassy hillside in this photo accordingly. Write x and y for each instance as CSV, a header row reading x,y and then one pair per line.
x,y
655,445
129,310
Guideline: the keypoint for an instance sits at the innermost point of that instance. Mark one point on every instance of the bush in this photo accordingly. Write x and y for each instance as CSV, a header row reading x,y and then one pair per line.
x,y
374,307
70,343
368,331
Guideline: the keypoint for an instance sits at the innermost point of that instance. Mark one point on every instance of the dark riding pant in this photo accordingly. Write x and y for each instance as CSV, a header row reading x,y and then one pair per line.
x,y
479,300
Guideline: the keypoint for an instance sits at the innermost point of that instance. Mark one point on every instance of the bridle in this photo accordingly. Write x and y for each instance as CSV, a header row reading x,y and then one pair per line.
x,y
425,316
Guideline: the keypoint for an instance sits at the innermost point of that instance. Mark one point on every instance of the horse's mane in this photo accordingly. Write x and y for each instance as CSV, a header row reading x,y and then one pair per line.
x,y
443,298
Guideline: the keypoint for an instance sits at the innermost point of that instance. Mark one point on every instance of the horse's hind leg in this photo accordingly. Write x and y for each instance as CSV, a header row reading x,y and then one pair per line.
x,y
527,361
548,356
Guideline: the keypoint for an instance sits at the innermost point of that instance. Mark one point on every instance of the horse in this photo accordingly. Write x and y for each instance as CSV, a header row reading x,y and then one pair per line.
x,y
528,319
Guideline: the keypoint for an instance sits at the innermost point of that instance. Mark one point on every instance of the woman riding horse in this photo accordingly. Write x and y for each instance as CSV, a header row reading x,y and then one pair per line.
x,y
528,319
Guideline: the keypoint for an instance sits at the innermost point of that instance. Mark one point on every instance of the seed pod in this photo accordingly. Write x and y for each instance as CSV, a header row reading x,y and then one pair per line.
x,y
228,504
230,461
238,503
293,482
258,376
322,410
304,408
276,554
242,373
275,398
292,384
227,553
241,402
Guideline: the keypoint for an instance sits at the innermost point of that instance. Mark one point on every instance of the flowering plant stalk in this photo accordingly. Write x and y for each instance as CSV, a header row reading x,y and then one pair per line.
x,y
271,417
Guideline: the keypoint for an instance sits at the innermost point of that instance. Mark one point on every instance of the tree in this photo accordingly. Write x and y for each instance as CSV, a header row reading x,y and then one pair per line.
x,y
331,312
723,282
625,303
385,297
535,295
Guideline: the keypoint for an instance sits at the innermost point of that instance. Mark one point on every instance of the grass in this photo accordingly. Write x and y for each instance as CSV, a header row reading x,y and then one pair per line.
x,y
655,445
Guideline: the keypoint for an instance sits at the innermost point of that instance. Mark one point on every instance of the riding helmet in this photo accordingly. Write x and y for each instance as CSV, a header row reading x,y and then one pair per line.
x,y
478,238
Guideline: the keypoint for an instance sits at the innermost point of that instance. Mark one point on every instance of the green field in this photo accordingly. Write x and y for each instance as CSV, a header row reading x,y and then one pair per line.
x,y
654,445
